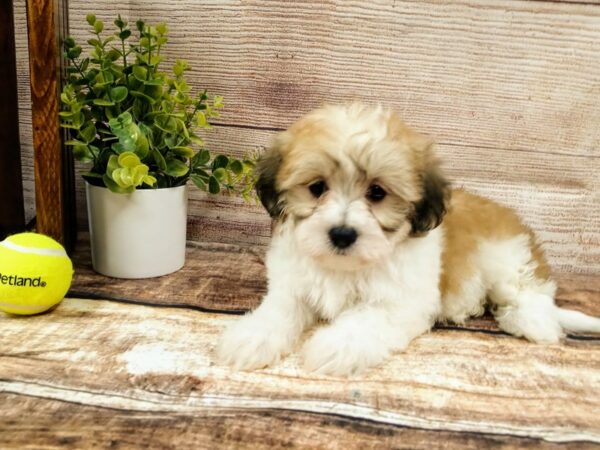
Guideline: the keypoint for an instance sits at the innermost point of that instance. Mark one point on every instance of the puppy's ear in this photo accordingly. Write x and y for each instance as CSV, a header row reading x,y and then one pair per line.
x,y
429,211
267,169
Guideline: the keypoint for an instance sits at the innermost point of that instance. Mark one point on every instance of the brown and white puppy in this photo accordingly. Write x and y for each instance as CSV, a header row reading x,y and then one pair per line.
x,y
369,237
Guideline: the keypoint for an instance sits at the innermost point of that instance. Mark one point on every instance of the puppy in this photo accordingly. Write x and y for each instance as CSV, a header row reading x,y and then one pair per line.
x,y
370,238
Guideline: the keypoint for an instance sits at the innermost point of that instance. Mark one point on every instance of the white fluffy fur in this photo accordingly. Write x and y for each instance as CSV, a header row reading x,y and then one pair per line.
x,y
384,290
369,314
522,304
375,311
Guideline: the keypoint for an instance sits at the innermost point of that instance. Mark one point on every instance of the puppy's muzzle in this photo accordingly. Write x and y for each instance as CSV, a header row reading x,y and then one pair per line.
x,y
342,237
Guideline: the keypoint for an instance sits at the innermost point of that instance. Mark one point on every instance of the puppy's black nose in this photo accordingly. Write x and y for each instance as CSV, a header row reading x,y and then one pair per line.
x,y
342,237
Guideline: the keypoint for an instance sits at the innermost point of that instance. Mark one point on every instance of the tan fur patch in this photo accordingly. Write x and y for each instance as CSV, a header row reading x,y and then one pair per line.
x,y
470,220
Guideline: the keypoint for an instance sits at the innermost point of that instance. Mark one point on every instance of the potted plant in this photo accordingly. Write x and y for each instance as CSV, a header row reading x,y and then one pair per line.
x,y
138,128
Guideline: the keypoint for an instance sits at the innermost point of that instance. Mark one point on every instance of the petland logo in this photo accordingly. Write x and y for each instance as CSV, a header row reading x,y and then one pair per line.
x,y
15,280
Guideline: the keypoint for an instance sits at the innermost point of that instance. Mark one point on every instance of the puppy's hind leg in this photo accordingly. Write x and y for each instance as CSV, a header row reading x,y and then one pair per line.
x,y
531,315
523,303
536,317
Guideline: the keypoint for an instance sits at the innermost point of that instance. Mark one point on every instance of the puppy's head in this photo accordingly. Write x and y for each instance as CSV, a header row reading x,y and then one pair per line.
x,y
352,182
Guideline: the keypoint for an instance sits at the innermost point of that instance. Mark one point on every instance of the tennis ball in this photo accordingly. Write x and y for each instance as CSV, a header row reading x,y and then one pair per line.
x,y
35,273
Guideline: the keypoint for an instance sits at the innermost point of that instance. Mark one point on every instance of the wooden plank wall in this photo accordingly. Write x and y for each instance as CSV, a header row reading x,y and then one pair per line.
x,y
509,89
25,128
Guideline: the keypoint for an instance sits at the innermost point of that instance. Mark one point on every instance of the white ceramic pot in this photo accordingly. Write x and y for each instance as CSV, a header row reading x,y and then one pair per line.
x,y
138,235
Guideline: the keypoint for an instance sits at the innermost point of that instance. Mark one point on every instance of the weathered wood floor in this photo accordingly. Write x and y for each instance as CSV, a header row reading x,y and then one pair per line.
x,y
127,364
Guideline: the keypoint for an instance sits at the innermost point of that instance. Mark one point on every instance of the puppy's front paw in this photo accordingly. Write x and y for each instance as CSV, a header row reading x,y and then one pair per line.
x,y
338,351
251,344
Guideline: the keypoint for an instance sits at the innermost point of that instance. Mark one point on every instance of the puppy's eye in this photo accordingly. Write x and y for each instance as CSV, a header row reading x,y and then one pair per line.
x,y
317,188
376,193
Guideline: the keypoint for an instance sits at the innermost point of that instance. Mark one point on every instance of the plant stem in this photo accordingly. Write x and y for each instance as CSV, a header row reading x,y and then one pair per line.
x,y
191,117
78,67
124,61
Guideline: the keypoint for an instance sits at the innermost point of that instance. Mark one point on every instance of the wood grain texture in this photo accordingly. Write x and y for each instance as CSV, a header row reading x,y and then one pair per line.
x,y
110,356
12,210
24,95
216,277
49,164
34,422
496,74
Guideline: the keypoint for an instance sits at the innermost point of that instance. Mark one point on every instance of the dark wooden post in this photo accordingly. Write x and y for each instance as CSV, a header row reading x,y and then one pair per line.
x,y
46,21
12,214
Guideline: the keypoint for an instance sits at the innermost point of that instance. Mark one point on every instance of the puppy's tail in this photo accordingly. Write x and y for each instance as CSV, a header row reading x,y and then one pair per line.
x,y
577,321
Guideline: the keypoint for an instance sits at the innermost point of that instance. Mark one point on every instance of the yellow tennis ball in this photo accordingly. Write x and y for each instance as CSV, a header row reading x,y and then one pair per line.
x,y
35,273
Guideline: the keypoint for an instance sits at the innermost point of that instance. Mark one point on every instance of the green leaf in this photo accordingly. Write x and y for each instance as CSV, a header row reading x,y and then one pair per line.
x,y
111,113
149,180
98,26
218,101
77,120
91,19
129,160
186,152
202,174
143,96
140,73
119,148
196,140
140,25
176,168
74,142
154,90
114,187
124,34
213,185
199,182
118,94
180,67
220,174
113,164
88,133
127,172
73,53
220,161
82,153
69,42
94,42
102,102
183,128
154,82
112,55
159,159
166,124
201,119
236,167
131,138
161,28
200,158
